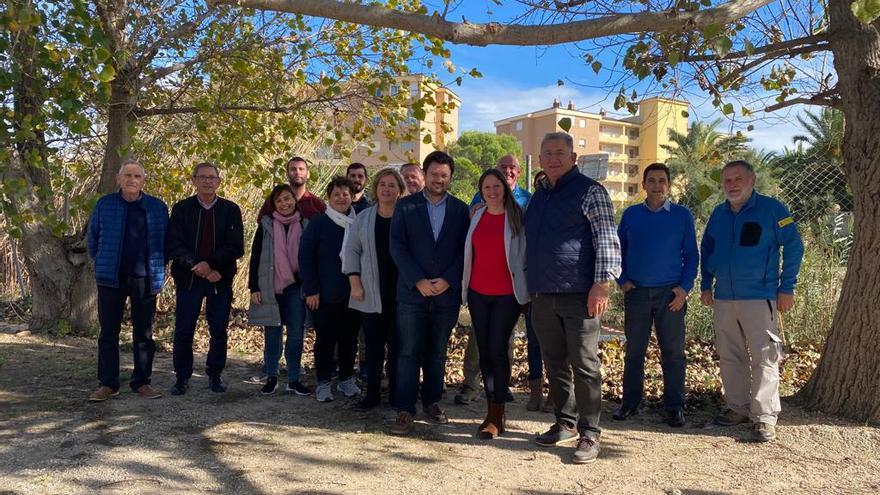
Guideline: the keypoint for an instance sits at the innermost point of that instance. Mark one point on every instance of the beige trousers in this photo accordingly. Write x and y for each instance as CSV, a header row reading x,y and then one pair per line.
x,y
750,348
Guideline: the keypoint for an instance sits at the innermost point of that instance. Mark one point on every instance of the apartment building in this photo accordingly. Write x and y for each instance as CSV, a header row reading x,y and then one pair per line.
x,y
630,143
442,126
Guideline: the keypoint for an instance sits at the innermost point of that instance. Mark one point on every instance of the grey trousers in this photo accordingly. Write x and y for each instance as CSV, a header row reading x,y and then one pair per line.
x,y
569,341
749,349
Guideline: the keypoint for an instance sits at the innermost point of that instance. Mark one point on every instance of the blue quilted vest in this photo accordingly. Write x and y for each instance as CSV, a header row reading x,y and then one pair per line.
x,y
559,250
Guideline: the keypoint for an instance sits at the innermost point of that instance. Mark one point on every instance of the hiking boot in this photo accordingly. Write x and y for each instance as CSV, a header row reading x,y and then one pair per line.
x,y
558,434
103,393
295,387
216,384
348,388
675,418
586,451
467,395
324,393
729,417
402,425
435,414
536,394
624,412
148,392
763,432
180,386
270,386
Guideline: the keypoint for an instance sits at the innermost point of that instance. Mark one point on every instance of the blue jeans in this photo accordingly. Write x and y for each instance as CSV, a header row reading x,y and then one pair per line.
x,y
644,307
536,364
218,302
423,336
293,315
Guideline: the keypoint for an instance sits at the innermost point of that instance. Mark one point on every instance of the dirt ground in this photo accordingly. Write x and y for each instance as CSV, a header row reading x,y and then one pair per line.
x,y
53,441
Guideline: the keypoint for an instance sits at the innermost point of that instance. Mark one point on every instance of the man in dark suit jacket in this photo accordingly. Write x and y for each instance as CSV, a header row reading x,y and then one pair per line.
x,y
427,243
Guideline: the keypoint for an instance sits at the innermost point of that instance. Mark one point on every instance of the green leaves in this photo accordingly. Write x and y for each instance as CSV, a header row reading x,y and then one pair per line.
x,y
866,10
596,66
565,124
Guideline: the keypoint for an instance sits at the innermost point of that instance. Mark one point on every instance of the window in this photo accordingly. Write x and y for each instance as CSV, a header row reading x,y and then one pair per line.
x,y
633,133
632,170
519,125
376,120
582,123
631,189
582,143
393,90
407,146
633,152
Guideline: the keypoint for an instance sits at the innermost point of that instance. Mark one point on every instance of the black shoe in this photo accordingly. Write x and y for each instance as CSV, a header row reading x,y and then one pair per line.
x,y
298,388
558,434
366,405
270,386
675,418
509,396
179,387
216,384
624,412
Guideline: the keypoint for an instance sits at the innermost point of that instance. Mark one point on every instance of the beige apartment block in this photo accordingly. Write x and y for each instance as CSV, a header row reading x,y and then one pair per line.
x,y
631,143
442,126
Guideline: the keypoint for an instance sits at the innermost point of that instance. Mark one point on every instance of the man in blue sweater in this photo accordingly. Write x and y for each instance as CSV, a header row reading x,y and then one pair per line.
x,y
659,248
741,261
126,240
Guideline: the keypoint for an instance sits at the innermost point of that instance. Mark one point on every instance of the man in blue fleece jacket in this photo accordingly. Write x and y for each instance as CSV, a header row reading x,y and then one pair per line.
x,y
740,259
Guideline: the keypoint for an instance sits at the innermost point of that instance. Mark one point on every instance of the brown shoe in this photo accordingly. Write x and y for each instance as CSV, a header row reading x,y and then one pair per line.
x,y
402,425
494,424
536,394
148,392
103,393
435,414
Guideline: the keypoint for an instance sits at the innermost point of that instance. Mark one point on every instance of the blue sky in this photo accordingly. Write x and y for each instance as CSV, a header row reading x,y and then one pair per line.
x,y
518,80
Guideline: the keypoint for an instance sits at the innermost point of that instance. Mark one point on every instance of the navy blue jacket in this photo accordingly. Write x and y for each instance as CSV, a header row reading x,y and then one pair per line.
x,y
320,267
106,232
559,250
419,256
740,251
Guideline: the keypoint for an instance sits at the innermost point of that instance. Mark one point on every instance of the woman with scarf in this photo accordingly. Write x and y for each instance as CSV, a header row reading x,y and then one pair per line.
x,y
373,277
327,291
276,291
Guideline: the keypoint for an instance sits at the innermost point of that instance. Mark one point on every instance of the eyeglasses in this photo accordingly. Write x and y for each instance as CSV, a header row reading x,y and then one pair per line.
x,y
206,178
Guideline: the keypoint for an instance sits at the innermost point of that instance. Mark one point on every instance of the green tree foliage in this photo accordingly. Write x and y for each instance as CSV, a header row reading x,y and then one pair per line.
x,y
485,148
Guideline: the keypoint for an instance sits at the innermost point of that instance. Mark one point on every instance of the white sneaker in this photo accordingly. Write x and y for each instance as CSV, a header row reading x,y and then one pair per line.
x,y
348,388
323,392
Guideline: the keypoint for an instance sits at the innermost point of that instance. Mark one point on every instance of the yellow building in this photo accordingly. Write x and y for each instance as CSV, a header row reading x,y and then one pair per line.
x,y
631,143
442,126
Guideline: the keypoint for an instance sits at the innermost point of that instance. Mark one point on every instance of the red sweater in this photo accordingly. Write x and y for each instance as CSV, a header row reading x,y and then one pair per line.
x,y
489,273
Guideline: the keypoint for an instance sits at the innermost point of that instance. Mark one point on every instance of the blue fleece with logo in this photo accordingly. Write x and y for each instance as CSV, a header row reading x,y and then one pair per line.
x,y
739,254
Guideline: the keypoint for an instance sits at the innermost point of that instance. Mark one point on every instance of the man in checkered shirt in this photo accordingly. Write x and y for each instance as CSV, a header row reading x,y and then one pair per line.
x,y
572,258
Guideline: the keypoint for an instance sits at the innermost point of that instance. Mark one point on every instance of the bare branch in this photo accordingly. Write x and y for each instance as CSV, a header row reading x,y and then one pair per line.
x,y
494,33
830,98
806,44
150,112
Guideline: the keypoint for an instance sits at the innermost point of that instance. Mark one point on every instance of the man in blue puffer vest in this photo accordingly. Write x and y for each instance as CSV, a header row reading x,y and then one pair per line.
x,y
126,240
572,256
740,260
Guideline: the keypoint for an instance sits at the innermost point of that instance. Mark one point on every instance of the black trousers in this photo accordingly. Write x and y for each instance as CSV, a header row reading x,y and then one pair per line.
x,y
218,303
380,333
111,306
336,325
493,318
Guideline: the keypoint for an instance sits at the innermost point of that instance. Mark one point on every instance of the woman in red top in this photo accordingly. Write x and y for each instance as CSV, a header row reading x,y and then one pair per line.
x,y
494,275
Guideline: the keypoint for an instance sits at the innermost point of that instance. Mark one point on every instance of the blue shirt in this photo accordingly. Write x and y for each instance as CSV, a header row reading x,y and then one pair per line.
x,y
436,213
520,195
659,247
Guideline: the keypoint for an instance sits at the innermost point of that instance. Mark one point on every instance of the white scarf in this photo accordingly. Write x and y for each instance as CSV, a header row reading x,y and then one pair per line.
x,y
343,221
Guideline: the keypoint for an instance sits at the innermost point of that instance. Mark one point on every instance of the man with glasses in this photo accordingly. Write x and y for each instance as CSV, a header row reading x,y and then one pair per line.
x,y
205,239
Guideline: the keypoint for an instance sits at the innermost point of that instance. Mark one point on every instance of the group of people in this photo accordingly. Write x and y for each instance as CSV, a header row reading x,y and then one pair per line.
x,y
400,266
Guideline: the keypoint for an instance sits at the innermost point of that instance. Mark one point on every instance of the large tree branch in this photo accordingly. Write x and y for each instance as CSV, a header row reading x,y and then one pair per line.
x,y
494,33
806,44
830,98
153,111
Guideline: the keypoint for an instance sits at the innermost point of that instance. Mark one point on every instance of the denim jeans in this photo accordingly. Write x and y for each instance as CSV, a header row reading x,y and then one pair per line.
x,y
111,307
536,364
493,319
423,337
336,331
218,302
646,307
570,344
380,332
293,314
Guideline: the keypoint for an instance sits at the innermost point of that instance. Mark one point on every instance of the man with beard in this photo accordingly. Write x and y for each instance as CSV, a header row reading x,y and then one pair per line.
x,y
307,203
357,174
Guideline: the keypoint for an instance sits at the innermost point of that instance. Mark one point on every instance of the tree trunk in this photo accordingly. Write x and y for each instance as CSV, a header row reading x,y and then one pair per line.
x,y
847,379
119,120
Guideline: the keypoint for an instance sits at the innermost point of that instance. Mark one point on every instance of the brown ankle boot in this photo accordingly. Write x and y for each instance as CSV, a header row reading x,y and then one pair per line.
x,y
536,394
494,424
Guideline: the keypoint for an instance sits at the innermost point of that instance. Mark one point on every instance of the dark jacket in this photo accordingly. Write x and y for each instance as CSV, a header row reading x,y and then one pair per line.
x,y
320,266
182,241
419,256
559,252
107,229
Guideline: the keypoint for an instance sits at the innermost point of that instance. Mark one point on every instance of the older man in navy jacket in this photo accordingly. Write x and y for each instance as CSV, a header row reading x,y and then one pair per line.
x,y
427,242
